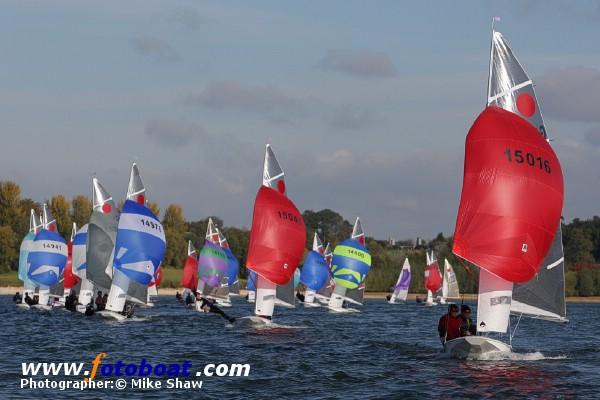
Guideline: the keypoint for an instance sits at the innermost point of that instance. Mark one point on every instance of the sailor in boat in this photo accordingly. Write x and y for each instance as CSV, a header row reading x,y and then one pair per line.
x,y
99,304
450,324
179,297
17,298
388,297
71,301
208,305
28,300
128,310
89,309
104,300
468,328
189,299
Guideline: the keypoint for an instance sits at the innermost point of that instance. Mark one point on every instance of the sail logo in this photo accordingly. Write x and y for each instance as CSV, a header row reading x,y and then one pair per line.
x,y
500,300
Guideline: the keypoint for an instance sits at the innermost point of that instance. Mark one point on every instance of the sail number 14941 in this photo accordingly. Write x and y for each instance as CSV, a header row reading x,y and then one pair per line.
x,y
521,157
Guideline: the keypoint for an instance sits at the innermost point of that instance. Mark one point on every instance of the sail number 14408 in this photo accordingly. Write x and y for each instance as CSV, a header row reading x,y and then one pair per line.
x,y
521,157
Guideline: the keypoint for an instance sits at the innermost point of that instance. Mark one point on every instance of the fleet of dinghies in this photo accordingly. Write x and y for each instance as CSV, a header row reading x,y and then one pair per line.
x,y
508,224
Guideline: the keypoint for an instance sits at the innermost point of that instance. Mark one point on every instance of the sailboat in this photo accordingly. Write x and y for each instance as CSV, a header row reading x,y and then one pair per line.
x,y
212,267
100,238
47,258
71,281
433,279
315,272
251,286
153,287
86,287
139,248
233,265
35,225
508,220
324,294
450,288
277,240
402,284
189,279
350,265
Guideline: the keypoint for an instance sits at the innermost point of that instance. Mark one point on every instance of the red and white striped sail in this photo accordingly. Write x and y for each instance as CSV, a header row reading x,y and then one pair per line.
x,y
357,232
212,233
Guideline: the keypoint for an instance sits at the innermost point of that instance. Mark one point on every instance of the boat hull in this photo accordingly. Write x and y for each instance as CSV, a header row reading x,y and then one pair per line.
x,y
24,306
474,347
341,310
312,304
112,315
42,307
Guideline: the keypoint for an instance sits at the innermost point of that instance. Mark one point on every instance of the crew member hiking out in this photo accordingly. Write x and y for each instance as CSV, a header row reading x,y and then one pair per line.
x,y
208,305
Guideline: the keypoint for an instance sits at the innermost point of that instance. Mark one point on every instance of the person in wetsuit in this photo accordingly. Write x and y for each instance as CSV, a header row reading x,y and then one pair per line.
x,y
179,297
71,301
28,299
89,309
208,305
467,328
449,324
128,310
189,299
17,298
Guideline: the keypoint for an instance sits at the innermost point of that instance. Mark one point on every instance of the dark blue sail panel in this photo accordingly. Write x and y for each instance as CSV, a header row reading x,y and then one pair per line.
x,y
140,244
315,271
251,283
233,267
48,258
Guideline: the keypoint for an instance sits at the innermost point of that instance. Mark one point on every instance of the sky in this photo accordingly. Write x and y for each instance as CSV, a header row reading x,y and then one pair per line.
x,y
366,103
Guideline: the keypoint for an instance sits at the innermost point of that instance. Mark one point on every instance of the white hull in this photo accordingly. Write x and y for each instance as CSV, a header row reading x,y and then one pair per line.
x,y
24,306
476,347
253,322
112,315
44,307
343,310
312,305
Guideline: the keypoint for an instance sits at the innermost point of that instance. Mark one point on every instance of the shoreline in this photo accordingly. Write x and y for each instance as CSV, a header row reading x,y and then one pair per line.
x,y
11,290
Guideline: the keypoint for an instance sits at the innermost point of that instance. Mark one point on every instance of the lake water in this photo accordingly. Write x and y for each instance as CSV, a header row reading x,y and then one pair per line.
x,y
386,351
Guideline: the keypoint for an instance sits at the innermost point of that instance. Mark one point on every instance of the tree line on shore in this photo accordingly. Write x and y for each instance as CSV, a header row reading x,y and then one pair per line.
x,y
581,239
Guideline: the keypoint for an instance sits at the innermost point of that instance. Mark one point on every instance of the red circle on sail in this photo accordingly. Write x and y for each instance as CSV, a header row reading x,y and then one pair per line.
x,y
141,199
281,186
526,104
106,208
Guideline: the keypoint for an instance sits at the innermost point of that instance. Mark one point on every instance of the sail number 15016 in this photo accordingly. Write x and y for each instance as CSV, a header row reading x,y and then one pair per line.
x,y
521,157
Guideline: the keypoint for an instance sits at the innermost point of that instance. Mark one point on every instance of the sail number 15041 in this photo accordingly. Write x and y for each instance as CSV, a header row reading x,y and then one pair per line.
x,y
521,157
288,216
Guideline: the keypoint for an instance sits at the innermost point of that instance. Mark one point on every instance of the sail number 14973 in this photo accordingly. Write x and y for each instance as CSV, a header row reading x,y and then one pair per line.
x,y
521,157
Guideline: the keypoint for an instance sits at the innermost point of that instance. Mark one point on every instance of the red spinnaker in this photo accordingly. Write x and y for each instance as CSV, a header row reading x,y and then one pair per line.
x,y
433,279
70,279
189,280
512,196
158,275
277,237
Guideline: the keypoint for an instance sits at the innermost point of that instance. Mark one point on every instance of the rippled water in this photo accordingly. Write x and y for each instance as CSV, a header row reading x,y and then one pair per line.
x,y
387,351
